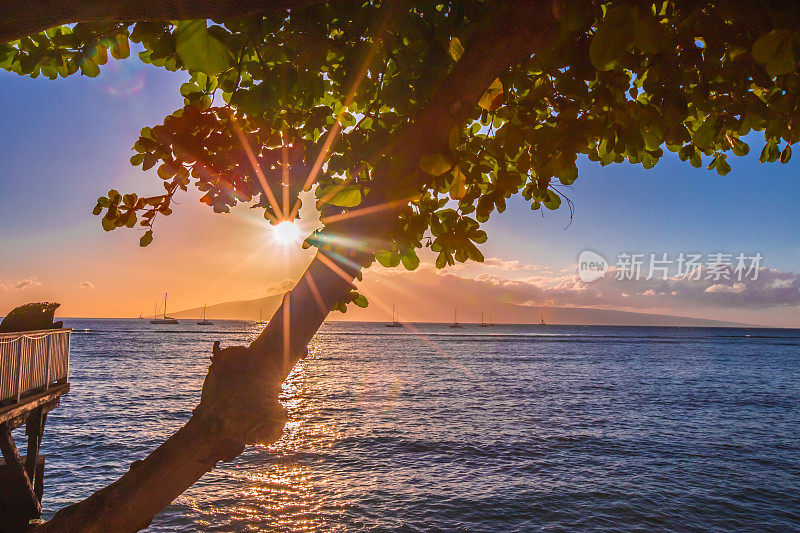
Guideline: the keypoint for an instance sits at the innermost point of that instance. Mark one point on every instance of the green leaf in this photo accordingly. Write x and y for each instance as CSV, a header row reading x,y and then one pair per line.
x,y
435,164
410,260
146,239
342,195
129,200
612,40
493,96
458,188
553,200
706,132
568,173
479,236
384,258
770,152
775,50
453,138
200,51
89,68
120,49
648,35
722,165
188,89
786,155
166,171
361,300
740,148
148,161
456,49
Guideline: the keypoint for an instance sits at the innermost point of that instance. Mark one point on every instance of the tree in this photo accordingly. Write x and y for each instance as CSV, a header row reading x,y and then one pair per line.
x,y
412,122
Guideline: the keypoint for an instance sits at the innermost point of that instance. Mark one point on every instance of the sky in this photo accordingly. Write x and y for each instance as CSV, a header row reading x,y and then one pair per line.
x,y
66,142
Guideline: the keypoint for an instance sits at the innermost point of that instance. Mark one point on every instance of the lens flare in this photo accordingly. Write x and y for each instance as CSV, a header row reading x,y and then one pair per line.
x,y
286,233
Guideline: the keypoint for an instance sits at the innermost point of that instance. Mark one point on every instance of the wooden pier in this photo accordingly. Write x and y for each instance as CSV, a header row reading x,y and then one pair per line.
x,y
34,374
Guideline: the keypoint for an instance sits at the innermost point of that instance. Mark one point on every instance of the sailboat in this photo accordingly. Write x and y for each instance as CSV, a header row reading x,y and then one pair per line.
x,y
491,324
541,323
482,324
165,319
394,323
204,322
455,323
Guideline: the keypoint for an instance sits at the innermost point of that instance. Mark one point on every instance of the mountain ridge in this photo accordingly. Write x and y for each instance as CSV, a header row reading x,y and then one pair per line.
x,y
501,312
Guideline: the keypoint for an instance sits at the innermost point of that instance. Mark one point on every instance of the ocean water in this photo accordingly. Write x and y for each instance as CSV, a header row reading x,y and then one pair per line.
x,y
509,428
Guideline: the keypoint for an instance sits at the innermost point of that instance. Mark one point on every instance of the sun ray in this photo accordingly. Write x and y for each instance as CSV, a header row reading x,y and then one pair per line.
x,y
365,211
331,137
322,156
287,330
364,245
328,262
343,260
256,167
284,178
335,190
315,291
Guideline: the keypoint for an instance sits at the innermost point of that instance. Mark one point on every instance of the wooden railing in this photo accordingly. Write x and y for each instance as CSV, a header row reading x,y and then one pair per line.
x,y
32,361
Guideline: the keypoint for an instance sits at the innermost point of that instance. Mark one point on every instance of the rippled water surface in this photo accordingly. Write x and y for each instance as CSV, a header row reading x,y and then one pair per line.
x,y
509,428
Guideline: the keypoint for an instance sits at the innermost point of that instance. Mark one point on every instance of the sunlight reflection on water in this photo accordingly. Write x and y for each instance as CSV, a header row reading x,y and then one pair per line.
x,y
569,428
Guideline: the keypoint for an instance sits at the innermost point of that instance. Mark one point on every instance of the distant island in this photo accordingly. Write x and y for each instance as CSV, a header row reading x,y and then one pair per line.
x,y
427,311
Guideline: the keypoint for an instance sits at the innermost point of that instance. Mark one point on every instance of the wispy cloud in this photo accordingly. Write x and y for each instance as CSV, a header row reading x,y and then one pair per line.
x,y
513,265
496,264
279,287
87,285
772,288
10,285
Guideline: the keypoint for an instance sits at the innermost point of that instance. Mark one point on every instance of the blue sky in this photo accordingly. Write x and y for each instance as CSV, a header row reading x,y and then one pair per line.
x,y
64,143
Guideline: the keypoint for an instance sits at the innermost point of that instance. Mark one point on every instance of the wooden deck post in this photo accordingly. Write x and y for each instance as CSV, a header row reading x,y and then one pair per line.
x,y
19,368
33,508
47,364
34,429
35,389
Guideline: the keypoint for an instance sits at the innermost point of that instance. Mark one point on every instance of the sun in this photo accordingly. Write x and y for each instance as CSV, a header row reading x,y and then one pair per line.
x,y
286,233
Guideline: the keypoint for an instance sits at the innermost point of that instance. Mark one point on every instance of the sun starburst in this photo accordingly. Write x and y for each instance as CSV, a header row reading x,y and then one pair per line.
x,y
286,233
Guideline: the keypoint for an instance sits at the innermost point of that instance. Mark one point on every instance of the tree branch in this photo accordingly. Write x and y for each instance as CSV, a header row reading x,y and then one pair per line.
x,y
239,401
24,17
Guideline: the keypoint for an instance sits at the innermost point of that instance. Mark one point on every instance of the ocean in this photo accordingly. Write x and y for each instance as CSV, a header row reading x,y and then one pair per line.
x,y
429,428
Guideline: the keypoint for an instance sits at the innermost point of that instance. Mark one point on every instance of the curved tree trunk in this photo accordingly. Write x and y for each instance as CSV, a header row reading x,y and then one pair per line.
x,y
19,18
239,402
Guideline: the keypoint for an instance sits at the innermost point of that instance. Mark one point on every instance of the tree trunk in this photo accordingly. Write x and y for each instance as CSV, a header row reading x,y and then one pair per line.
x,y
19,18
239,402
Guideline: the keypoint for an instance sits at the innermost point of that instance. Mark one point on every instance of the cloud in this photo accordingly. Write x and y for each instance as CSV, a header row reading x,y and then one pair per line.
x,y
563,288
279,287
719,287
494,264
9,285
87,285
514,265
